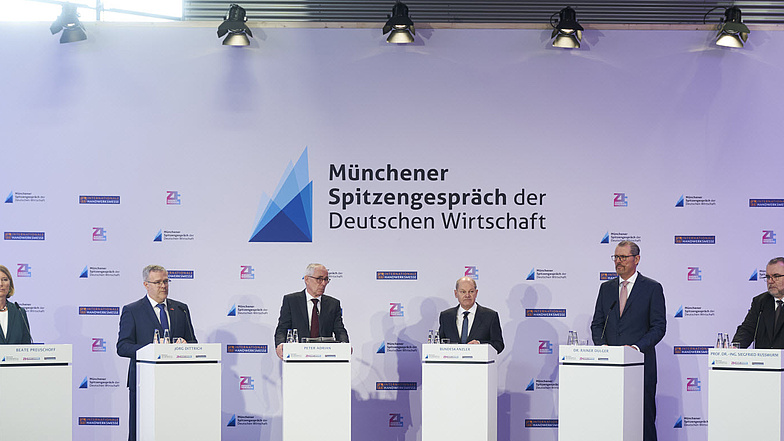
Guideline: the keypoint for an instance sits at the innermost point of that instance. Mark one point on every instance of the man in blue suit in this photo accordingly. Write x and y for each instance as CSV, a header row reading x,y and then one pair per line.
x,y
138,323
630,311
470,322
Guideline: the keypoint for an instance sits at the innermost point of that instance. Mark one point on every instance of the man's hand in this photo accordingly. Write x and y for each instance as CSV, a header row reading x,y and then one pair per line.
x,y
279,351
474,342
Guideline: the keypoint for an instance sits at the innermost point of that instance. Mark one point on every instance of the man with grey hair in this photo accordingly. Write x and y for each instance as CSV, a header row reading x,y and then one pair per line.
x,y
311,312
764,322
470,322
139,321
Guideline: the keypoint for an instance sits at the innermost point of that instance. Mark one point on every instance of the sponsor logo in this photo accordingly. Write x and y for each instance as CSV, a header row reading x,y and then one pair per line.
x,y
685,421
98,382
236,310
541,423
98,271
396,275
24,235
99,421
180,274
545,347
99,234
99,345
99,310
545,312
615,237
607,275
99,200
620,200
695,240
288,215
766,203
23,270
396,310
24,196
694,201
246,272
172,235
544,273
694,274
31,309
246,420
395,420
396,346
694,311
758,274
173,197
246,349
246,383
693,385
472,272
768,237
396,385
531,385
691,350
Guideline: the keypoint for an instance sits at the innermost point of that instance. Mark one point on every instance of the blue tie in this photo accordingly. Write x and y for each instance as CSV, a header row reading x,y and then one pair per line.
x,y
464,331
164,318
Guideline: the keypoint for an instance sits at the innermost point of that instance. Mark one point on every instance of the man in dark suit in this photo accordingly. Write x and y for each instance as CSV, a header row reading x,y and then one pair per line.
x,y
138,323
633,309
764,322
310,312
470,322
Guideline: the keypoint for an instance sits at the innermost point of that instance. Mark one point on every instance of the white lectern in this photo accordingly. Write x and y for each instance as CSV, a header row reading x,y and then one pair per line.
x,y
35,392
316,391
459,392
744,394
178,392
600,393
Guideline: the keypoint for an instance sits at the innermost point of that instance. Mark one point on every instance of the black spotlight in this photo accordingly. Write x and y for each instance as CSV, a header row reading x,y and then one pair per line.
x,y
401,26
234,25
68,22
567,33
732,31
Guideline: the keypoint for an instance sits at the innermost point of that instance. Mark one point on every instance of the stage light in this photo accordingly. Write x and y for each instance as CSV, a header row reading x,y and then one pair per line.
x,y
68,22
401,27
567,33
732,31
234,25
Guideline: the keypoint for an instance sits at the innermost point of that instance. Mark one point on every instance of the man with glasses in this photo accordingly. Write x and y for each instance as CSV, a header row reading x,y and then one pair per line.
x,y
139,321
310,312
630,311
763,323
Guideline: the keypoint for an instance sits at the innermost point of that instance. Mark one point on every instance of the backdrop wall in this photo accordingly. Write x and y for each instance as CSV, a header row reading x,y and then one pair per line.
x,y
179,140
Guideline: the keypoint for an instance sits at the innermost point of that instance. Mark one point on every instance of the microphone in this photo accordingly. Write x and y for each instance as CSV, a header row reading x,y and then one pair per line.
x,y
24,320
756,327
608,317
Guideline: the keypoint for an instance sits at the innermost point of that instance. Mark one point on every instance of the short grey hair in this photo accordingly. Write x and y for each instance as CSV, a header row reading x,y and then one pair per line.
x,y
634,247
312,269
776,260
457,284
150,268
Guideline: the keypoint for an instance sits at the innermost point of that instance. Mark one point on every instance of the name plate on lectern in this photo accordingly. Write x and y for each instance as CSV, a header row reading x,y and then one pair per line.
x,y
600,355
767,359
180,353
316,352
458,353
15,355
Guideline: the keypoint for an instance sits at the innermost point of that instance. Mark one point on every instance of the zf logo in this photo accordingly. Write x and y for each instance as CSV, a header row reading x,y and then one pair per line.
x,y
693,384
246,272
545,347
695,275
396,310
472,272
395,420
99,345
620,200
172,198
23,270
768,237
99,234
246,383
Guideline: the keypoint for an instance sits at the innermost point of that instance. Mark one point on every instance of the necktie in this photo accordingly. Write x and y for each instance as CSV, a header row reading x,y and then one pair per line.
x,y
623,296
464,330
779,304
314,322
162,313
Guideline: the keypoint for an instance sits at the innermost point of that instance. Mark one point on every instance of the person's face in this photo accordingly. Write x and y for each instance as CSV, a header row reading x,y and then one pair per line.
x,y
317,283
157,285
5,285
775,284
466,294
625,265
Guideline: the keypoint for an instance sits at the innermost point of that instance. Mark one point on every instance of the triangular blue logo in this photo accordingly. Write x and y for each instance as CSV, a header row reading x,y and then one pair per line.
x,y
288,215
531,274
84,384
606,238
679,314
3,358
83,275
530,385
680,202
679,423
232,421
10,198
158,237
382,349
232,311
753,277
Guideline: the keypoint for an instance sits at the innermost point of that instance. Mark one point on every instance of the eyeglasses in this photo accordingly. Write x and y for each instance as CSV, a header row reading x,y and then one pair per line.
x,y
159,283
320,280
773,277
615,257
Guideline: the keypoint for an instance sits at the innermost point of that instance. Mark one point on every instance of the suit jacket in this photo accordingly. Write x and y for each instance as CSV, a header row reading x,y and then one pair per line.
x,y
138,322
294,315
17,332
486,327
643,323
763,309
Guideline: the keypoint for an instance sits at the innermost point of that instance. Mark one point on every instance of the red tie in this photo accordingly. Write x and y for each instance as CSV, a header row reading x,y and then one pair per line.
x,y
314,323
